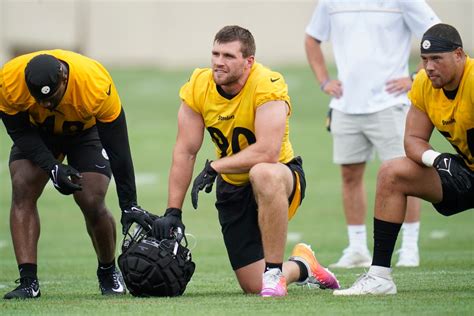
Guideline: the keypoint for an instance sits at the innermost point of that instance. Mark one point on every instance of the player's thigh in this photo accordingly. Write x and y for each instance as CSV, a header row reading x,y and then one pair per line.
x,y
404,175
28,180
238,217
350,145
385,129
86,154
456,201
271,178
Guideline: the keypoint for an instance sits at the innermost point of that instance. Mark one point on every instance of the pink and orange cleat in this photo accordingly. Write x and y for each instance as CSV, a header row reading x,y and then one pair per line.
x,y
273,284
318,276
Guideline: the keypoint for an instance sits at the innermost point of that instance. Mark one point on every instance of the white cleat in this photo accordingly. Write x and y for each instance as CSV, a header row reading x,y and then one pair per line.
x,y
408,257
353,258
369,284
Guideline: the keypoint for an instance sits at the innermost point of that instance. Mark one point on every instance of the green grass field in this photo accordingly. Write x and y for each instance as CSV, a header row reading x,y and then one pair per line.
x,y
443,284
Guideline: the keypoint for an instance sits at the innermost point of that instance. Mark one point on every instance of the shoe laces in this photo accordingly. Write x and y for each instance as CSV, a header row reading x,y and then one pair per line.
x,y
25,283
109,278
271,278
363,279
115,279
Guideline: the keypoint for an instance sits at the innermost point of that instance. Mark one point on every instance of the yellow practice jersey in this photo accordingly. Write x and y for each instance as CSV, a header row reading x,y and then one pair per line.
x,y
231,123
90,94
453,118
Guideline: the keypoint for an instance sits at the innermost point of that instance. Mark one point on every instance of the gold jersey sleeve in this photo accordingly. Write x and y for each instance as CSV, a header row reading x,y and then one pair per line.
x,y
230,123
454,119
90,94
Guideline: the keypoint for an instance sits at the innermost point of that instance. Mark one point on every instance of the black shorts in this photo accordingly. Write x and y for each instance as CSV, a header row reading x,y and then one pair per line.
x,y
237,210
454,201
84,151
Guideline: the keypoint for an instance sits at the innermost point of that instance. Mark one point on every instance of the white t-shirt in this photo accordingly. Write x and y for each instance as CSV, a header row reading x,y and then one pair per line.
x,y
371,40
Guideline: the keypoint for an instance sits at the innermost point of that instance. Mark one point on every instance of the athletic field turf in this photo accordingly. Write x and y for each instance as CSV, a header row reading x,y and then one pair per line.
x,y
443,284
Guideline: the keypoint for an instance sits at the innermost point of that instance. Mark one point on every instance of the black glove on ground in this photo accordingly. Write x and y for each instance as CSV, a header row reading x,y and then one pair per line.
x,y
165,226
451,169
136,214
61,175
204,180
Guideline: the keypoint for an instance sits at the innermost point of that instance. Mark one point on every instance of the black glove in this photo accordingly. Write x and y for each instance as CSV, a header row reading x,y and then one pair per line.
x,y
136,214
451,170
62,175
204,180
164,227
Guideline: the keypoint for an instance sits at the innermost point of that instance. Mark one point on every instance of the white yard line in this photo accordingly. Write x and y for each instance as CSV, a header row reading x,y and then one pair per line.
x,y
294,237
146,178
438,234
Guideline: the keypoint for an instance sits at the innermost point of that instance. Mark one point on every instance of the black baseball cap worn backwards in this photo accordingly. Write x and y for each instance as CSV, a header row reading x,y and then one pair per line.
x,y
43,76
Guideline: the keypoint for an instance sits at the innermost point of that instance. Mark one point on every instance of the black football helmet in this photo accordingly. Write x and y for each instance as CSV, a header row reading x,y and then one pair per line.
x,y
152,267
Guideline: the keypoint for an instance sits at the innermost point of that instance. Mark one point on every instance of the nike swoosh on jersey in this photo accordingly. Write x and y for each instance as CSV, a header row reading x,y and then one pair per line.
x,y
108,91
273,80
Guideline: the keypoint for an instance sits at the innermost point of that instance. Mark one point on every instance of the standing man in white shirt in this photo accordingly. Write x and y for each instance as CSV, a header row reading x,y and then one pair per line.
x,y
371,41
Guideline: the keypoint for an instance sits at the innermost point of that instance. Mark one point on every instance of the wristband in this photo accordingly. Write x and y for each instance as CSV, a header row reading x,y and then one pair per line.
x,y
323,85
429,156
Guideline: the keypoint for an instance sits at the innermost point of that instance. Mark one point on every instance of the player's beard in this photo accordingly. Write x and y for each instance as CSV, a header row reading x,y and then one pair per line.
x,y
439,82
226,78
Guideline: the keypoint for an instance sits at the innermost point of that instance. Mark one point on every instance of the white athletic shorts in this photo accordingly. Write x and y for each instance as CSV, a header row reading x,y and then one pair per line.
x,y
357,136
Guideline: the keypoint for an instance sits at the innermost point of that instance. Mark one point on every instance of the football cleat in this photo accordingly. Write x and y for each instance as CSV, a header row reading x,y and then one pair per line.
x,y
273,284
353,258
369,283
318,276
111,281
408,257
28,288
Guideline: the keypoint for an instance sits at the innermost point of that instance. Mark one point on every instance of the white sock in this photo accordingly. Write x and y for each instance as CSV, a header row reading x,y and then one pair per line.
x,y
357,236
380,271
410,233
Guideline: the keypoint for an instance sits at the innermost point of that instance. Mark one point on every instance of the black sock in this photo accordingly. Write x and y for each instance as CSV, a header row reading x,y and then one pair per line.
x,y
28,270
303,270
269,265
104,267
385,237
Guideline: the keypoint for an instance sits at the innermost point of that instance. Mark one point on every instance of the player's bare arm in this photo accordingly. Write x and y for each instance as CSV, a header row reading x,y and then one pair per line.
x,y
270,121
188,142
418,131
